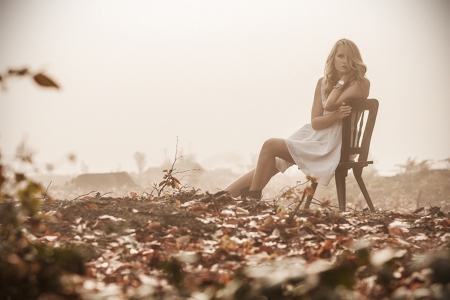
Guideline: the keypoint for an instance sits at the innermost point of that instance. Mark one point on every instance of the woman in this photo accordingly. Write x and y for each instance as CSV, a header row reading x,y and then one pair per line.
x,y
315,148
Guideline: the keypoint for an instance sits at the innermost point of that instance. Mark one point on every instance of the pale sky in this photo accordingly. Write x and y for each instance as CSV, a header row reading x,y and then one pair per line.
x,y
222,76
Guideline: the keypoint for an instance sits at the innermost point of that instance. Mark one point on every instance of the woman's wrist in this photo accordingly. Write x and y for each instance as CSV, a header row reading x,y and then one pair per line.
x,y
338,87
344,80
335,115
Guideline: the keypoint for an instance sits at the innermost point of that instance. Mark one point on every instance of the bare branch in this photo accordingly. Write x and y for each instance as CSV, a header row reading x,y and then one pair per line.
x,y
45,194
83,195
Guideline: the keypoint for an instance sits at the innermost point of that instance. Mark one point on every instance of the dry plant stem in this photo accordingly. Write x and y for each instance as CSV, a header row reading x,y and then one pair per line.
x,y
169,178
291,189
169,172
318,202
83,195
284,193
175,158
182,178
297,208
45,194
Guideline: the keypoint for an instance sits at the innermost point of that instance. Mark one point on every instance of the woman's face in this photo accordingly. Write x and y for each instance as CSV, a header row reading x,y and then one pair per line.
x,y
340,61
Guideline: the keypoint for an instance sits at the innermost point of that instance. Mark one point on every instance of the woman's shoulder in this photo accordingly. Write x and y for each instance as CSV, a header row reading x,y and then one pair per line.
x,y
321,82
360,80
366,81
362,83
366,84
363,87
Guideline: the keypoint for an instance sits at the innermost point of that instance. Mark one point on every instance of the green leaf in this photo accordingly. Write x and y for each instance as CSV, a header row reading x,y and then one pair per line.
x,y
29,197
174,271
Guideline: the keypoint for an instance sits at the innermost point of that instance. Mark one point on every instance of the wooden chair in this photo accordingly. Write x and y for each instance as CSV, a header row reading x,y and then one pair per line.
x,y
356,138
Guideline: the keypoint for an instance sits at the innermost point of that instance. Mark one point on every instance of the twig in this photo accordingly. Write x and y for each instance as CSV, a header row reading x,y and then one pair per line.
x,y
169,172
292,188
103,195
83,195
45,194
169,178
297,208
176,153
179,172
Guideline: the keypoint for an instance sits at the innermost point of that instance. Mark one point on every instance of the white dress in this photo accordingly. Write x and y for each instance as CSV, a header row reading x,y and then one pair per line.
x,y
316,152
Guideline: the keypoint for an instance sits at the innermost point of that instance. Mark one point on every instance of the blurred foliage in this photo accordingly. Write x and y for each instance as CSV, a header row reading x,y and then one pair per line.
x,y
39,78
174,270
29,270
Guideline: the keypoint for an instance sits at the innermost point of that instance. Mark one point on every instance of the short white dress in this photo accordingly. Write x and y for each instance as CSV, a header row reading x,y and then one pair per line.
x,y
316,152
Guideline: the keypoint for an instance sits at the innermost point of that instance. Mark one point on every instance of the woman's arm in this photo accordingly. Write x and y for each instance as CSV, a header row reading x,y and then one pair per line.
x,y
339,96
318,120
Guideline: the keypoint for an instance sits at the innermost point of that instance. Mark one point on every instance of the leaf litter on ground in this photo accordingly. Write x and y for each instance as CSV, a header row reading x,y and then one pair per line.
x,y
203,246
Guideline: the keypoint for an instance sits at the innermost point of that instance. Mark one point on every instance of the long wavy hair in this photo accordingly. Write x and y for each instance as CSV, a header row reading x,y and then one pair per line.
x,y
354,62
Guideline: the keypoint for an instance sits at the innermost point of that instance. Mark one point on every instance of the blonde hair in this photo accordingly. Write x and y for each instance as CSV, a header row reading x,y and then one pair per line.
x,y
355,64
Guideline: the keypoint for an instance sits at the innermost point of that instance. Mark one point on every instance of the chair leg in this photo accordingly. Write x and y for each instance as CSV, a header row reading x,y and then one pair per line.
x,y
358,172
310,197
339,177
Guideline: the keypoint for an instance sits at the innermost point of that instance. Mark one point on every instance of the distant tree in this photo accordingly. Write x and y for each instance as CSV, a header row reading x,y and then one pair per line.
x,y
141,161
412,166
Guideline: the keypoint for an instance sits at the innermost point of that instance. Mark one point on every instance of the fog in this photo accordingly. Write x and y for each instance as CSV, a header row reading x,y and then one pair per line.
x,y
219,76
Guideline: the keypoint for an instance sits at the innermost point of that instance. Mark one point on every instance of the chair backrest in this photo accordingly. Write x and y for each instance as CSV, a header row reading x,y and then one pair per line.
x,y
357,129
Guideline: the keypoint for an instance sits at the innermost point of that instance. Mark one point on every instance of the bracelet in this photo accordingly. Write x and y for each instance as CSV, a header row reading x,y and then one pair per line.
x,y
336,87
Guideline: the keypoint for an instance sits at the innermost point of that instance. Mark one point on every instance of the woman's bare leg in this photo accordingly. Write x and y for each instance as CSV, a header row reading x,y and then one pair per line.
x,y
258,178
265,168
243,181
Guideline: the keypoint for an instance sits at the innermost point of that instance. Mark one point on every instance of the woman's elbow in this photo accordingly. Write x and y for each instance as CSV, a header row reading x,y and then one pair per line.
x,y
328,107
314,125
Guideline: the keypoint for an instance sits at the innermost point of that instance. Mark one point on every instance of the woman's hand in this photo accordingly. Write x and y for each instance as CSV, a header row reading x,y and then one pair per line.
x,y
346,77
343,111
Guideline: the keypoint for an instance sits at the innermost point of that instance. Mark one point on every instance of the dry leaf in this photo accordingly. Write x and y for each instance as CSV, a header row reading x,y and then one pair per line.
x,y
44,81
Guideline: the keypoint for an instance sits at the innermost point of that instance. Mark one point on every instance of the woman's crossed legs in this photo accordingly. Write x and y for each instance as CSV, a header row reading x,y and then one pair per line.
x,y
265,169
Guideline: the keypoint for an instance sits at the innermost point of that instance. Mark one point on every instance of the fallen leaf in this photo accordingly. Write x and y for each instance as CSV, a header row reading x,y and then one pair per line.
x,y
44,80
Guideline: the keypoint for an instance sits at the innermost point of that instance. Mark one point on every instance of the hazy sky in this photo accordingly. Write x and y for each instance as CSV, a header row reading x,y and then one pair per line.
x,y
223,76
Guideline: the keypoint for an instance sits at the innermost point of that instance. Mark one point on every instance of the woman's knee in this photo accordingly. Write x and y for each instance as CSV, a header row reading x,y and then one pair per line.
x,y
276,147
270,145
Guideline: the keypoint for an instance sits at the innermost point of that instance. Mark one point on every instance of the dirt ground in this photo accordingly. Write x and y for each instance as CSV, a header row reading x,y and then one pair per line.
x,y
192,245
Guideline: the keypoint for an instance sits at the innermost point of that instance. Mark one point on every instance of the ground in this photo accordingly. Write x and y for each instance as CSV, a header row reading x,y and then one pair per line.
x,y
195,245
